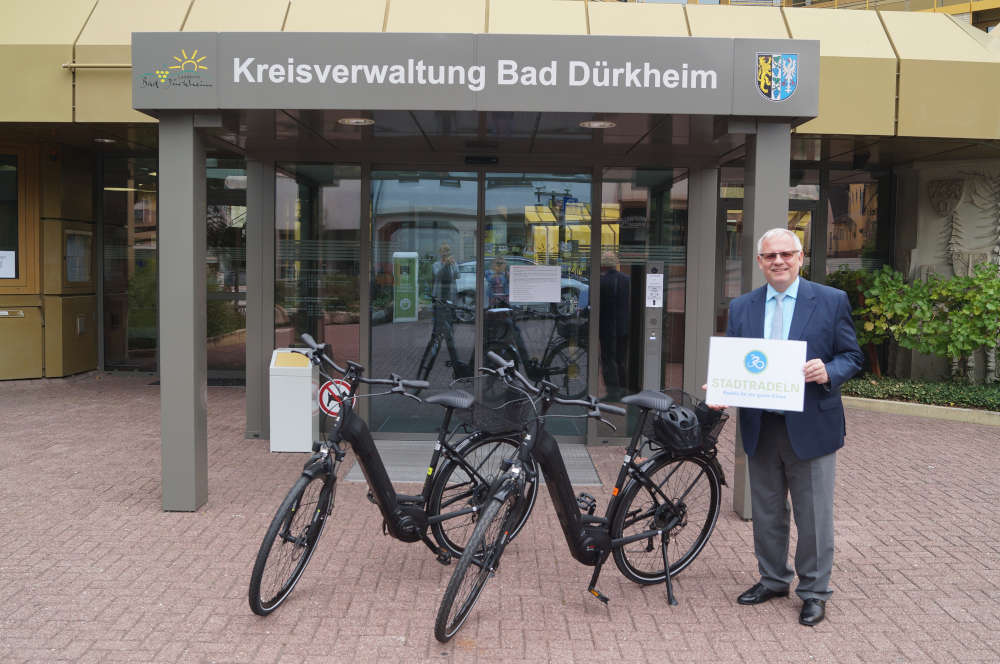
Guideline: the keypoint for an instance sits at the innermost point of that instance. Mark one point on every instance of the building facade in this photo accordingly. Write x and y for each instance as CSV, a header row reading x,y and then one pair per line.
x,y
332,209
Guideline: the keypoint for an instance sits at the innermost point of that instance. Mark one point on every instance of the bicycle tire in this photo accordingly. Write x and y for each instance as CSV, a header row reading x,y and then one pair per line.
x,y
692,486
454,489
566,366
475,567
289,542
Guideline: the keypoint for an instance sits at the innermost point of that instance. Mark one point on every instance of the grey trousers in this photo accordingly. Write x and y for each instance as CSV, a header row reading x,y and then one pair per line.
x,y
776,473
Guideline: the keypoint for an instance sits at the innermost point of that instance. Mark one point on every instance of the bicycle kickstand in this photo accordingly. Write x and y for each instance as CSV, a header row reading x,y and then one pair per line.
x,y
593,582
666,568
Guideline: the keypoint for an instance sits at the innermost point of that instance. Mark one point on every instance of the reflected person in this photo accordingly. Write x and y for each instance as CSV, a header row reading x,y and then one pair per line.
x,y
613,325
444,275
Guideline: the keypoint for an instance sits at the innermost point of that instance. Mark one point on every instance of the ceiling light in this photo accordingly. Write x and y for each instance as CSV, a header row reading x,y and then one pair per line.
x,y
105,140
356,122
598,124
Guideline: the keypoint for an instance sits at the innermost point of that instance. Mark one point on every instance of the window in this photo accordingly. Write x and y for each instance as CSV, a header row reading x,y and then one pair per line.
x,y
9,234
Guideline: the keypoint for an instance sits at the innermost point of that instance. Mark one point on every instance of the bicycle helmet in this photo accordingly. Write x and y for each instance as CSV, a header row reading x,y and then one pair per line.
x,y
678,429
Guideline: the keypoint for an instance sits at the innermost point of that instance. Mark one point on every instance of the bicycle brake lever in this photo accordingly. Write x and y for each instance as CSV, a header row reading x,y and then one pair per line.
x,y
613,427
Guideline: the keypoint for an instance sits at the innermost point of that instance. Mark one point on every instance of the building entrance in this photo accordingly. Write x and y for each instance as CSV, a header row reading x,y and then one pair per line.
x,y
464,263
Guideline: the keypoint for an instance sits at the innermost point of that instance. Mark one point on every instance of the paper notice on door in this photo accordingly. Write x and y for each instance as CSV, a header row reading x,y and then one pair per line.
x,y
7,263
654,290
534,283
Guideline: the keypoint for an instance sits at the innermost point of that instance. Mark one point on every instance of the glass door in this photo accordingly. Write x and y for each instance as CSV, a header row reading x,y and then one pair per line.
x,y
644,227
536,249
226,264
423,288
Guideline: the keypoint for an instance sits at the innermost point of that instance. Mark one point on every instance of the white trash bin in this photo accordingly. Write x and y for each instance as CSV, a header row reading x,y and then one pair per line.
x,y
294,383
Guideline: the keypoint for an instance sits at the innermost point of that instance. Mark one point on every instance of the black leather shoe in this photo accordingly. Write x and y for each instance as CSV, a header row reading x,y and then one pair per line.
x,y
813,612
760,594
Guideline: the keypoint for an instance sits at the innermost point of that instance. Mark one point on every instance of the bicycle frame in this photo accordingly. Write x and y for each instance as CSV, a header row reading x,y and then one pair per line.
x,y
404,517
589,537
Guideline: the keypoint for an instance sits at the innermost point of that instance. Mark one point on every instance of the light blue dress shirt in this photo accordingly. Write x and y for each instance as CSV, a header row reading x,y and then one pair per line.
x,y
787,308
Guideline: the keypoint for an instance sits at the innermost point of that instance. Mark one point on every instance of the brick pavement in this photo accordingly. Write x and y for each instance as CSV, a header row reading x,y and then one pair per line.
x,y
94,571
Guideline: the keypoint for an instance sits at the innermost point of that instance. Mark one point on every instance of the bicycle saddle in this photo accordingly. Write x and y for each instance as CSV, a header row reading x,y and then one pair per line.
x,y
649,399
452,399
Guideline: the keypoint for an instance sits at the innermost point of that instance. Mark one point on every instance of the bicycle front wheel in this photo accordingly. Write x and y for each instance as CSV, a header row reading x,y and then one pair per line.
x,y
290,542
465,482
681,494
566,366
478,563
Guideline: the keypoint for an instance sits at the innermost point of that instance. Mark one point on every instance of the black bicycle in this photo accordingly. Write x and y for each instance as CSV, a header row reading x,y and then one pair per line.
x,y
662,511
458,482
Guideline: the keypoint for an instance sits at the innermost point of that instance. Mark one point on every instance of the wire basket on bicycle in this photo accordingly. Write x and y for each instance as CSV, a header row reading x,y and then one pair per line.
x,y
688,426
498,406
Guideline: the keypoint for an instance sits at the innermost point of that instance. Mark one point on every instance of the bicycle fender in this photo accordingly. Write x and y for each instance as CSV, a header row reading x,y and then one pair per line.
x,y
315,468
718,470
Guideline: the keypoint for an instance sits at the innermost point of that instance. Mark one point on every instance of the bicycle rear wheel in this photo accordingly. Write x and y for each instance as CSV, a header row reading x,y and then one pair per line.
x,y
289,542
682,493
566,366
465,484
478,563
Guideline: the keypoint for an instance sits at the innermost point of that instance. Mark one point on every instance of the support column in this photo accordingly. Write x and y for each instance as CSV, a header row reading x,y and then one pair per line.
x,y
260,294
183,377
702,274
765,206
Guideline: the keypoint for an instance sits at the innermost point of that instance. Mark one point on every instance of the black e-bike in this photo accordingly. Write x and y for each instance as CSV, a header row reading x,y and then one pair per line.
x,y
458,482
662,511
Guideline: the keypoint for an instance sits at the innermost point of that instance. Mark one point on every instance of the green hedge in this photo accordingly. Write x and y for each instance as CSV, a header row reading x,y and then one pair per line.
x,y
947,393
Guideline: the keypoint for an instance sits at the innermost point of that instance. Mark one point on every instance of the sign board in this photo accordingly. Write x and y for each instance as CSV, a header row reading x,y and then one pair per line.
x,y
535,283
332,395
481,72
405,305
756,373
654,291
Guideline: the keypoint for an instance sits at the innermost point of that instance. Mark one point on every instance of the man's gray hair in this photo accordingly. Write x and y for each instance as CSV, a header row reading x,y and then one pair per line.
x,y
774,232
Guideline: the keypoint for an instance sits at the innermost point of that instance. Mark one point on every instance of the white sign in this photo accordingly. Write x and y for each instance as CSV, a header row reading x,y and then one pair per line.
x,y
756,373
654,290
535,283
7,263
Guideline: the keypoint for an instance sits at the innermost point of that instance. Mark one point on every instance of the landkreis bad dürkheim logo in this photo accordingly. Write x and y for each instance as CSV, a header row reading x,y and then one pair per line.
x,y
183,71
755,361
777,75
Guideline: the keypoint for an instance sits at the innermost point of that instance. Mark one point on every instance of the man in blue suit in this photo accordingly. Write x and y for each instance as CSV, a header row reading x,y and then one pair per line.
x,y
789,452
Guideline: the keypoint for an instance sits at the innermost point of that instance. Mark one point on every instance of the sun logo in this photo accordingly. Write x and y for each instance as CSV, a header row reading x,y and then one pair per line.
x,y
189,62
162,74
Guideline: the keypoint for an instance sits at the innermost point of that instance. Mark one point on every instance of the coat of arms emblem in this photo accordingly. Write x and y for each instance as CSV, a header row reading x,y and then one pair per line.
x,y
777,75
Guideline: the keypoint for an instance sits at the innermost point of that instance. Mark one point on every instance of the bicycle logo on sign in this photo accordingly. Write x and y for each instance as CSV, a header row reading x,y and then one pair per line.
x,y
755,361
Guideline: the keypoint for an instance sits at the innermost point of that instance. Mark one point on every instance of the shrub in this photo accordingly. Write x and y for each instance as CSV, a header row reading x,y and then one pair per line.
x,y
945,393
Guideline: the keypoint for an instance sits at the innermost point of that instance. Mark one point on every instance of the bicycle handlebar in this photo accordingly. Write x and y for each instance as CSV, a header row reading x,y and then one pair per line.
x,y
395,380
504,367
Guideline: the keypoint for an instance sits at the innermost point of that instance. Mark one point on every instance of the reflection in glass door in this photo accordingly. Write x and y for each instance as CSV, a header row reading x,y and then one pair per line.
x,y
423,288
318,264
644,225
536,279
226,263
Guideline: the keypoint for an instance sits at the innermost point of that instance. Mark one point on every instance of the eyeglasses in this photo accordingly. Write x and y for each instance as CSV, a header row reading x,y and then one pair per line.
x,y
785,255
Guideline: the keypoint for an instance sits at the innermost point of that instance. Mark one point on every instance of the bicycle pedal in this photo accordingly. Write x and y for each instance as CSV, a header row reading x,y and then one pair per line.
x,y
444,558
587,503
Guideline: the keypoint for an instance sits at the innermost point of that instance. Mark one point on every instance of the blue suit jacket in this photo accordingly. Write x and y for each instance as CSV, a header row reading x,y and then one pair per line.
x,y
822,319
